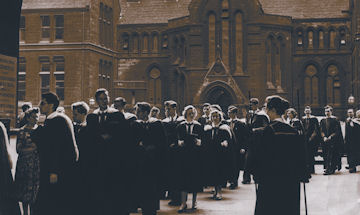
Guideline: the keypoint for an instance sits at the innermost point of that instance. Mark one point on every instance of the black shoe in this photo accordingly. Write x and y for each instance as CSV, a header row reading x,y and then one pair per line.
x,y
173,203
246,182
233,186
352,170
182,209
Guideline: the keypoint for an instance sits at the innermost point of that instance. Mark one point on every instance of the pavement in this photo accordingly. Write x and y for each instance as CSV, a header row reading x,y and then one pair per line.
x,y
337,194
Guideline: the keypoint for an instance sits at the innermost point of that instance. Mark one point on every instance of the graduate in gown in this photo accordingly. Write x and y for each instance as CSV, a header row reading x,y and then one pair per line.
x,y
332,141
151,138
111,153
205,118
312,137
189,134
352,135
79,113
58,154
240,144
8,204
171,153
256,119
216,141
279,163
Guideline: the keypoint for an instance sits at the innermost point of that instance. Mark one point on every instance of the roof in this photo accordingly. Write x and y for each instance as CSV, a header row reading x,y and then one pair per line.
x,y
50,4
152,11
303,9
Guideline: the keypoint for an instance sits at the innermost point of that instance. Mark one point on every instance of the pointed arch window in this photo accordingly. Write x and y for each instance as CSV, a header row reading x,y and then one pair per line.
x,y
311,86
239,42
321,39
333,85
332,36
212,36
310,39
135,43
154,88
270,62
145,43
155,43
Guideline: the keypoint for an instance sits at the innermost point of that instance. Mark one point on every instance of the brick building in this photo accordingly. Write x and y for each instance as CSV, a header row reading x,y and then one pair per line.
x,y
193,51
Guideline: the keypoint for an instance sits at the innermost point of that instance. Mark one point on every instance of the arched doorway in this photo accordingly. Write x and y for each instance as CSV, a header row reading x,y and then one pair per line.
x,y
221,96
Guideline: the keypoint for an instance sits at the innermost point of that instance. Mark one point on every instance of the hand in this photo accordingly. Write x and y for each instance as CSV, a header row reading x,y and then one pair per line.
x,y
180,142
105,136
198,142
325,139
172,145
242,151
224,143
53,178
141,143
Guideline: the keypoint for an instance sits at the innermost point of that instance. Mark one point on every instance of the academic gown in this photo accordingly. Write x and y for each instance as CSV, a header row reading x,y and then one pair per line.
x,y
333,147
170,155
190,167
352,135
240,135
110,152
8,204
217,158
312,139
58,154
151,137
279,166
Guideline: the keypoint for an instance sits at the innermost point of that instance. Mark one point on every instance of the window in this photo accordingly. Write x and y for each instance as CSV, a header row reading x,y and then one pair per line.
x,y
310,40
45,28
332,39
154,89
165,42
105,74
299,38
136,43
60,79
101,24
342,37
311,86
145,45
45,77
333,86
270,62
59,27
212,35
106,26
321,39
22,79
125,41
155,43
239,42
22,29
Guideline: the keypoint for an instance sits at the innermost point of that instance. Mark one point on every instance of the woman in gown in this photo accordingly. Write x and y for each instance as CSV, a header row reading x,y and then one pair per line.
x,y
28,166
189,134
217,138
279,163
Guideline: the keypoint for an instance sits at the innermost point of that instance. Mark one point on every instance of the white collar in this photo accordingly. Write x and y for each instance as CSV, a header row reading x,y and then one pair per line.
x,y
279,119
52,115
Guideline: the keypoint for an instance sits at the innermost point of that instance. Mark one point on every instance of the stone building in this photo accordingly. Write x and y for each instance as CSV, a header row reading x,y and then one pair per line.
x,y
193,51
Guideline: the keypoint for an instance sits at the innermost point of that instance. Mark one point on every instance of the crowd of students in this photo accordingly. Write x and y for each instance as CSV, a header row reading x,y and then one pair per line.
x,y
111,161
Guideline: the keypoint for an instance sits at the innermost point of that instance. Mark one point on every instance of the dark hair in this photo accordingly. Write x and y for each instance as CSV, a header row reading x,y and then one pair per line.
x,y
278,103
232,109
206,105
254,101
121,100
51,98
81,107
328,107
101,91
30,111
216,106
170,103
292,111
26,106
143,107
155,110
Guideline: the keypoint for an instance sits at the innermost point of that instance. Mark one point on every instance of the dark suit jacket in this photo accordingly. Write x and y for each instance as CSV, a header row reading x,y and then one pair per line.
x,y
311,129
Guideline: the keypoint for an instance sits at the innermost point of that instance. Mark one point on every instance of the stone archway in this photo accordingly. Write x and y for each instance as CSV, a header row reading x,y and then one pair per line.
x,y
219,95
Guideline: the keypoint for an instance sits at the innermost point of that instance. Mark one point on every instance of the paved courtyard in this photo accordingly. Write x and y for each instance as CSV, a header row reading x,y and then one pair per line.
x,y
337,194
